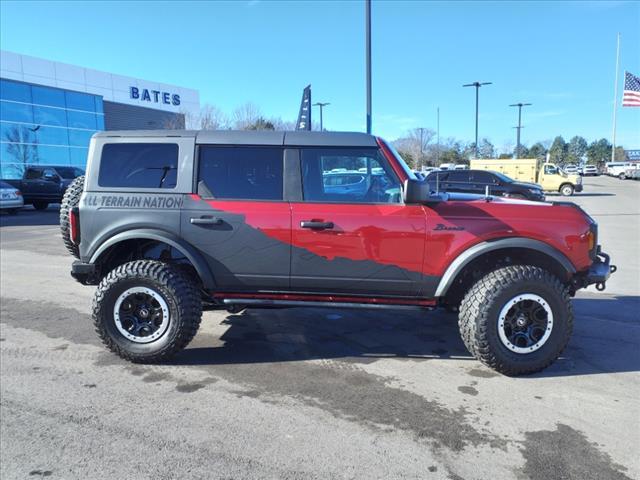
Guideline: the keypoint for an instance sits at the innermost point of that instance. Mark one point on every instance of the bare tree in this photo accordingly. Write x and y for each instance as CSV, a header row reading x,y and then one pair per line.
x,y
246,116
22,147
415,145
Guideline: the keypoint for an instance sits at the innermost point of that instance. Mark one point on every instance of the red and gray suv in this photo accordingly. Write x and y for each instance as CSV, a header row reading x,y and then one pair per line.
x,y
167,223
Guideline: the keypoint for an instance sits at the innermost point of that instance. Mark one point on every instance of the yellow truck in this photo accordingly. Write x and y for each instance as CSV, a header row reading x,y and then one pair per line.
x,y
549,176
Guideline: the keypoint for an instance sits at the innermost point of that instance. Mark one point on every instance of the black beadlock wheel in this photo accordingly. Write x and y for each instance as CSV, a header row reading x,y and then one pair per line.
x,y
70,200
146,311
517,319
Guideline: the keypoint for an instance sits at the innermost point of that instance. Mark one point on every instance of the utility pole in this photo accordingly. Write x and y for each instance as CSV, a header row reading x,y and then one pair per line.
x,y
438,134
477,85
321,105
615,102
519,127
368,60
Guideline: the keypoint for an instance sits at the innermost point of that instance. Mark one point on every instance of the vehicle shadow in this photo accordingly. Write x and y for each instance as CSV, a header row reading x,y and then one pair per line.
x,y
28,216
602,342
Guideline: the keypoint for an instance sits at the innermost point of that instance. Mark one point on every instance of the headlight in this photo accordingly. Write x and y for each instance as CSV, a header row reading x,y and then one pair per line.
x,y
535,191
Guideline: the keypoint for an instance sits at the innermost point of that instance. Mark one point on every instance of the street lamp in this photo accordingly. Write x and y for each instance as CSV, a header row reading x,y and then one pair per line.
x,y
519,127
321,105
477,85
368,60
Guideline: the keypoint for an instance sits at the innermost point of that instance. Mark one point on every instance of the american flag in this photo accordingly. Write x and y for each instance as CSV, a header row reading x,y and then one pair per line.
x,y
631,94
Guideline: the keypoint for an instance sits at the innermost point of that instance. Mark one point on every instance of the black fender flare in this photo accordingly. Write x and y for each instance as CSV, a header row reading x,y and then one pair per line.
x,y
174,241
479,249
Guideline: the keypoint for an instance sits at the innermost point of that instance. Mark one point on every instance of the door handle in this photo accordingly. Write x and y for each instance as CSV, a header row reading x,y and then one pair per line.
x,y
205,221
316,225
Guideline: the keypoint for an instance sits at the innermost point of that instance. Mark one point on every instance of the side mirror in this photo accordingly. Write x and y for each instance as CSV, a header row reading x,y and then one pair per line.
x,y
418,191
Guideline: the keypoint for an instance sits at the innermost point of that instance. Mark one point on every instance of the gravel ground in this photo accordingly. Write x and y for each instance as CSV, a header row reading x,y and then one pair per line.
x,y
313,393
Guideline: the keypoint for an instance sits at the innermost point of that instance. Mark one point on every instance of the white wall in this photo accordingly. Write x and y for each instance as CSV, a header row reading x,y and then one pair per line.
x,y
112,87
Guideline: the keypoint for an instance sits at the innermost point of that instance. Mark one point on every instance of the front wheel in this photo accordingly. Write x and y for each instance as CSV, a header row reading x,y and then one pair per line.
x,y
517,319
622,176
566,190
146,311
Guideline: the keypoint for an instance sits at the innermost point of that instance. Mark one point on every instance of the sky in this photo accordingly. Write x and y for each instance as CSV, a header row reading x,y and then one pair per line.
x,y
559,56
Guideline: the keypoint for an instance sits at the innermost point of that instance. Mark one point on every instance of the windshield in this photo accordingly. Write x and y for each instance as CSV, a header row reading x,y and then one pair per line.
x,y
401,161
69,172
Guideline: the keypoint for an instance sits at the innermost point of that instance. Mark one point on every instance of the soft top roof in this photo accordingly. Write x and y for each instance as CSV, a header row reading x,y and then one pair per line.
x,y
254,137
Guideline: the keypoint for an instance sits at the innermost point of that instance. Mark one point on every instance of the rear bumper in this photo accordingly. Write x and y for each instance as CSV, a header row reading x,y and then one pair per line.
x,y
84,273
11,203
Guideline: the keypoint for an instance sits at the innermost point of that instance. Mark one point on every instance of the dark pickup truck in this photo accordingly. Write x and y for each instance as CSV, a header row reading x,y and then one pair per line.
x,y
45,184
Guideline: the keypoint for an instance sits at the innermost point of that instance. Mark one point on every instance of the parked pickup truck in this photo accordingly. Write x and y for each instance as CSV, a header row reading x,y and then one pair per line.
x,y
549,176
168,223
44,184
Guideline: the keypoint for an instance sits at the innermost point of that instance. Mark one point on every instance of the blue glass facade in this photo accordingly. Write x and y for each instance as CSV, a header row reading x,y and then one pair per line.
x,y
45,125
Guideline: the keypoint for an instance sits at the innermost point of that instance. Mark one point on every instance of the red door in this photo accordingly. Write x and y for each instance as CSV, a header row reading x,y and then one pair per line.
x,y
352,234
357,249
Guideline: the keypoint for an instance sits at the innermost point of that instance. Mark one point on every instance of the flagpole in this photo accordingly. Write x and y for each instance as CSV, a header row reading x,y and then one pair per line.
x,y
615,102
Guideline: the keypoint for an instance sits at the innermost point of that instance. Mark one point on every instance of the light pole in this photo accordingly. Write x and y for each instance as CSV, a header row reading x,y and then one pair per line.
x,y
438,130
368,60
519,127
477,85
421,129
321,105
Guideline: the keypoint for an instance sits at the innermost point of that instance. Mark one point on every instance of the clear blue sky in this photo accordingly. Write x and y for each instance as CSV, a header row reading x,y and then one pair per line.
x,y
558,56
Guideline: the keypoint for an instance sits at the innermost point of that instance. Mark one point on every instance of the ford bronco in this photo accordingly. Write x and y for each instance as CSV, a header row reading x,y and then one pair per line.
x,y
168,223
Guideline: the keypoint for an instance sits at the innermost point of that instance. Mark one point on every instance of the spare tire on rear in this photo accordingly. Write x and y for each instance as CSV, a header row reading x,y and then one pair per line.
x,y
70,200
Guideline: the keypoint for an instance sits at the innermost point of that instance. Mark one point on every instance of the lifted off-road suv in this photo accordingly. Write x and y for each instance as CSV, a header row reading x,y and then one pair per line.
x,y
170,223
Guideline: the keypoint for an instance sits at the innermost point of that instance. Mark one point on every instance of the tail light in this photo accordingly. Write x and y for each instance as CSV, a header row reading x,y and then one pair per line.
x,y
74,225
18,193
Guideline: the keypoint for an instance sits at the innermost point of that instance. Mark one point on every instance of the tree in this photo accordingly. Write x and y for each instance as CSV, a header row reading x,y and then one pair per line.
x,y
21,146
599,151
486,149
415,145
576,149
538,151
558,151
246,116
209,117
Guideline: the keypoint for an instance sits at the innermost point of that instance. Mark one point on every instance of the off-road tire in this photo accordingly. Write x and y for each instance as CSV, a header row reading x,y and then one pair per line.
x,y
480,309
566,190
38,205
178,291
70,200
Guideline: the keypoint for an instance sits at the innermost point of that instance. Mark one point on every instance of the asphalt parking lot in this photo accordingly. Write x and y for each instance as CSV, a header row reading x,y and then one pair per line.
x,y
313,393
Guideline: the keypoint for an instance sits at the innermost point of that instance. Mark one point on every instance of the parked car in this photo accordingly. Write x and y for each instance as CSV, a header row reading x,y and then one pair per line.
x,y
44,184
570,169
179,221
10,198
589,170
483,181
548,175
618,169
635,174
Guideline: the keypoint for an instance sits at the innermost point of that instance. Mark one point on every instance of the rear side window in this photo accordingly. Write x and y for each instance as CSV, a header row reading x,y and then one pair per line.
x,y
139,165
241,173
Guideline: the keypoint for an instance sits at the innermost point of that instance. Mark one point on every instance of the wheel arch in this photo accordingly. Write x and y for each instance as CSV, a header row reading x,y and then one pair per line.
x,y
542,252
161,237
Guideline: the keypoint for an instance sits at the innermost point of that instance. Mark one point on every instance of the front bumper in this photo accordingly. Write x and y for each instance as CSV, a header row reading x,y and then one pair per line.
x,y
599,271
578,187
84,273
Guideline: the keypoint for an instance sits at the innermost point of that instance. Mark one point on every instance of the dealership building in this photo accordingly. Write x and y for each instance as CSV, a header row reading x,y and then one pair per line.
x,y
49,110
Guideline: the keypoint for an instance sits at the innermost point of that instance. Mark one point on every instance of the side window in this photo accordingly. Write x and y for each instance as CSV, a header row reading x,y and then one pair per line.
x,y
483,177
458,176
550,170
33,173
241,173
349,175
139,165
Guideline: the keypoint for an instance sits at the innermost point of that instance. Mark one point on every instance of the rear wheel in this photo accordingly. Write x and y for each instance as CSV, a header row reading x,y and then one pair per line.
x,y
517,319
146,311
40,205
70,200
566,190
